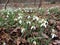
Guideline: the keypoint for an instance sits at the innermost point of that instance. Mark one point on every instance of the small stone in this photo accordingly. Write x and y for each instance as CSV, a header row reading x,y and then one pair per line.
x,y
54,43
58,22
59,34
58,42
51,22
58,28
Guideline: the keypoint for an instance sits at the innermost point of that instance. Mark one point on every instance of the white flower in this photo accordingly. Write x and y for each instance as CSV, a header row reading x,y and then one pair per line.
x,y
46,22
4,43
29,17
35,18
34,42
15,19
43,24
48,11
53,35
28,22
20,21
7,16
19,8
26,10
33,27
20,14
40,8
41,20
20,17
22,30
53,31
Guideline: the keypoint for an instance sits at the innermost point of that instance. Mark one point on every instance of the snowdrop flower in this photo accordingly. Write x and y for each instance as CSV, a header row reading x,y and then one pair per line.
x,y
34,42
15,19
43,24
22,30
26,10
53,31
40,8
19,8
53,35
46,22
20,21
48,11
28,22
20,14
4,43
41,20
7,16
31,9
35,18
20,17
29,17
33,27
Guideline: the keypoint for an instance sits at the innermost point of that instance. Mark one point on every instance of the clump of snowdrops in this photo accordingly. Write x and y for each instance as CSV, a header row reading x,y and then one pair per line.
x,y
28,24
54,10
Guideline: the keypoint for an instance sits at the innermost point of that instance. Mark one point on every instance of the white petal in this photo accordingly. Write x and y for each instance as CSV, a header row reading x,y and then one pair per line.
x,y
53,30
15,19
28,22
4,43
53,35
28,17
22,30
33,27
34,42
20,21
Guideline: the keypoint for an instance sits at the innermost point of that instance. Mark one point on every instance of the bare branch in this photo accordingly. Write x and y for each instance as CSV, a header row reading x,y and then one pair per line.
x,y
40,3
6,4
